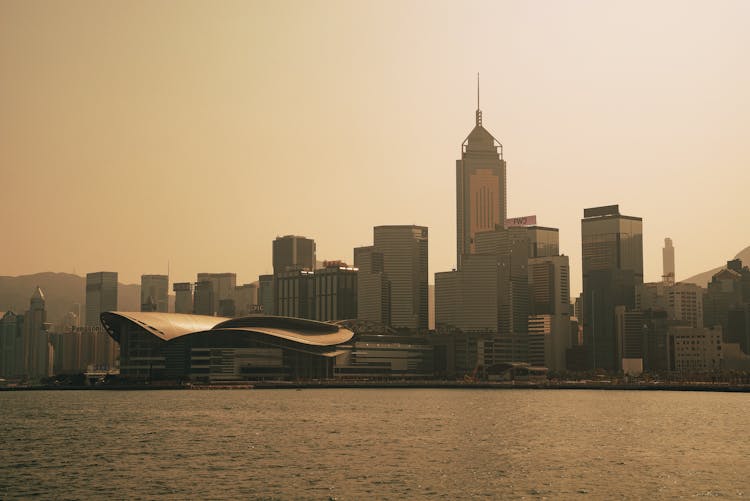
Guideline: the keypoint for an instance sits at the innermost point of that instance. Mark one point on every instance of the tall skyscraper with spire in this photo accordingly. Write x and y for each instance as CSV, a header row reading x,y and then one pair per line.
x,y
481,202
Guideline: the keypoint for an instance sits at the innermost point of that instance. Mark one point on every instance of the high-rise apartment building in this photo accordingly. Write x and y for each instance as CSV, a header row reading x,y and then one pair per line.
x,y
481,203
101,295
612,254
183,297
154,293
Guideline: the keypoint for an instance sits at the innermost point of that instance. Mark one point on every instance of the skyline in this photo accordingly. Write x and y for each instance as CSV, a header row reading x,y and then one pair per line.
x,y
220,108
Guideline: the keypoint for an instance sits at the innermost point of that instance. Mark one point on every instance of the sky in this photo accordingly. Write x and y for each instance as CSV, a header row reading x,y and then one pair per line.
x,y
137,136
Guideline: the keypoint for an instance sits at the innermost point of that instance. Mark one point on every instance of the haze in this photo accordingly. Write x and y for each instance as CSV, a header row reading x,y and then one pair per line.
x,y
133,134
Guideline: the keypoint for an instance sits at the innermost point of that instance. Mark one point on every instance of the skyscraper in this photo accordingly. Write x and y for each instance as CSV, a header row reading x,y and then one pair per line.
x,y
373,287
612,252
222,288
38,353
183,300
101,295
667,253
404,265
480,187
292,252
154,293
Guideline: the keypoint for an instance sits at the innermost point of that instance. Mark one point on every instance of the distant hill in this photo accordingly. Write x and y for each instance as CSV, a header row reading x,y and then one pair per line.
x,y
704,278
62,292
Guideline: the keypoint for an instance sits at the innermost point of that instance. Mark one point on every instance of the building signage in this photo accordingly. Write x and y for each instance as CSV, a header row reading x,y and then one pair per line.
x,y
520,221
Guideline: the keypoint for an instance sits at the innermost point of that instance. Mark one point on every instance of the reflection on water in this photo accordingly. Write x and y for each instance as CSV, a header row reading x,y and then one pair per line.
x,y
355,444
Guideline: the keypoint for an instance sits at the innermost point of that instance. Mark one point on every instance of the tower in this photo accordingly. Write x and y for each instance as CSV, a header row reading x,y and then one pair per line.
x,y
101,295
612,253
481,203
667,254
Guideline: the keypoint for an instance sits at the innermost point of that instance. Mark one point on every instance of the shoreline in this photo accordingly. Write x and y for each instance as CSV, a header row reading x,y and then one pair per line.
x,y
281,385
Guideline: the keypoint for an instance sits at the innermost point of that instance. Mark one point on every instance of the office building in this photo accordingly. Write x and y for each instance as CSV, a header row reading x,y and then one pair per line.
x,y
404,251
295,294
549,298
335,287
612,252
481,203
729,289
246,299
183,297
292,252
38,354
12,362
222,287
667,253
203,298
696,350
466,300
629,330
154,293
266,295
101,295
681,301
373,287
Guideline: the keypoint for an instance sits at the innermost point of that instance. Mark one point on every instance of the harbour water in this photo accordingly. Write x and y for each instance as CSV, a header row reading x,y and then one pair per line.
x,y
374,443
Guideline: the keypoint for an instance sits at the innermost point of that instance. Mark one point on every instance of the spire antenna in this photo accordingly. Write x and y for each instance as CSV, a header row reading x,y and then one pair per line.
x,y
479,112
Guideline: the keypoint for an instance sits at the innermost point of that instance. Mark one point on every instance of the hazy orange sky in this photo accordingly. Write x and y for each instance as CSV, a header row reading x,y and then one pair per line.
x,y
137,133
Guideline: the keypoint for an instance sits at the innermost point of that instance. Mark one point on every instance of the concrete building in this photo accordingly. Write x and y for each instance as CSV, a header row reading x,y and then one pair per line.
x,y
292,252
222,287
335,288
681,301
266,294
101,295
12,362
467,300
696,350
404,249
246,300
667,252
155,293
549,297
481,202
295,294
183,300
729,289
629,330
204,302
612,252
38,352
373,287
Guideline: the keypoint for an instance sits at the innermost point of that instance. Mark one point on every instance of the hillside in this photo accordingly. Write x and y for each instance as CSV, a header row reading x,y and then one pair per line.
x,y
704,278
62,292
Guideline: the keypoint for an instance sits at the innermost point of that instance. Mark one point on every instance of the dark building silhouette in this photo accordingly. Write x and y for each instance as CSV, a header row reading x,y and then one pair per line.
x,y
101,295
612,254
292,252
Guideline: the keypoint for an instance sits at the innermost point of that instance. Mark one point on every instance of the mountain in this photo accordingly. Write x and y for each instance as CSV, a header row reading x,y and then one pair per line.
x,y
704,278
62,292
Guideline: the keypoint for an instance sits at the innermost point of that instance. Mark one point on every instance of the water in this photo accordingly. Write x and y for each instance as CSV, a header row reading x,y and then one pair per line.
x,y
374,443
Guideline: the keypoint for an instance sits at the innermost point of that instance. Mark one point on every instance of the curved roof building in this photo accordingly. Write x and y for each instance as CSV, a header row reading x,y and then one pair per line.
x,y
174,346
